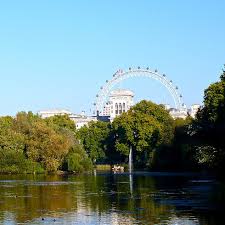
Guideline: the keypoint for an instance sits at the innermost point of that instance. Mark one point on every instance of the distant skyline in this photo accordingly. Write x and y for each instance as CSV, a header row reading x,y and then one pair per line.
x,y
57,54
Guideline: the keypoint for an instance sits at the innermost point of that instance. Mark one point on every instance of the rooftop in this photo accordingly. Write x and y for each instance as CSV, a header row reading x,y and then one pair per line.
x,y
121,92
55,111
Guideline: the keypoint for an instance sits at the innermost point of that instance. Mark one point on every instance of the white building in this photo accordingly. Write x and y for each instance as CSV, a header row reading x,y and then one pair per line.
x,y
120,100
107,109
193,110
80,120
175,113
53,112
167,106
185,112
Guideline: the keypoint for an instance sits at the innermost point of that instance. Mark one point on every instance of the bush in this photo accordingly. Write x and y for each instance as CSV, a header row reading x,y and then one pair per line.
x,y
74,164
15,162
77,160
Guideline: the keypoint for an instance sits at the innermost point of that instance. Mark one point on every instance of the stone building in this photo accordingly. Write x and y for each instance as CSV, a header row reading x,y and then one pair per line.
x,y
80,120
120,100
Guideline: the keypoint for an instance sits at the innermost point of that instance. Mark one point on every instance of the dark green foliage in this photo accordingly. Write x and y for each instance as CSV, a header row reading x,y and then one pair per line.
x,y
145,127
95,139
12,161
158,141
209,127
77,160
199,143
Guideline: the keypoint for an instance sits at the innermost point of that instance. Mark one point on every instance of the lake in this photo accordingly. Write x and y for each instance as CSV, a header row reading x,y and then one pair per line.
x,y
106,198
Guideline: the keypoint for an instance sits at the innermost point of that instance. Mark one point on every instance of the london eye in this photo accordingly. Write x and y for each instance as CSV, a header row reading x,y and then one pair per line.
x,y
121,75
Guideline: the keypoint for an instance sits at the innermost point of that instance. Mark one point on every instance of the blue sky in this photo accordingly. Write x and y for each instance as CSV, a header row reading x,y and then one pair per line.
x,y
57,54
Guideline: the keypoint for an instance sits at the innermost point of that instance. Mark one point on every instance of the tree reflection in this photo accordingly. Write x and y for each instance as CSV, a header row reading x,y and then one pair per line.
x,y
132,198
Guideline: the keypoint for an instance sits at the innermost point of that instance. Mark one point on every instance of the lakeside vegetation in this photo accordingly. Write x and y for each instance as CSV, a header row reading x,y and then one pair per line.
x,y
29,144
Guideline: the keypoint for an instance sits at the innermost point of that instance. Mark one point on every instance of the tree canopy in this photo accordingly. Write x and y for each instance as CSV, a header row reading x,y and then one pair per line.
x,y
144,127
209,126
31,144
94,138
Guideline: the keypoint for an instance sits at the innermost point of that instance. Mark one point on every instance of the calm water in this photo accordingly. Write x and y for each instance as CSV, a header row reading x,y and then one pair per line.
x,y
143,198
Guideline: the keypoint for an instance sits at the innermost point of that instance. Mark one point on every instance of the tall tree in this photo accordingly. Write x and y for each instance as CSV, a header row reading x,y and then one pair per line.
x,y
94,138
44,143
61,122
144,127
210,124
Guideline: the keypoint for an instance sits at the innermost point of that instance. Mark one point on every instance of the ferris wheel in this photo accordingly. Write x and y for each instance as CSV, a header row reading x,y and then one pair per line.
x,y
121,75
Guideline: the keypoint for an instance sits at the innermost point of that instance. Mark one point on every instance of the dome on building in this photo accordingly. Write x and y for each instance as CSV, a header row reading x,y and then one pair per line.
x,y
122,92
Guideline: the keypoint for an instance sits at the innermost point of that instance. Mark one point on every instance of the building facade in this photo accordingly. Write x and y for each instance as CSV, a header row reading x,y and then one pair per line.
x,y
120,100
80,120
193,110
175,113
53,112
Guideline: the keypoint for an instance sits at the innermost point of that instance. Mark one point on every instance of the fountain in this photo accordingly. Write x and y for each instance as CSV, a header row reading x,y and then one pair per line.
x,y
130,161
130,170
131,184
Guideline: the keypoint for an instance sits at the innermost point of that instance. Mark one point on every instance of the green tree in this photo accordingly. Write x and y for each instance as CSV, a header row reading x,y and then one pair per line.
x,y
94,138
47,146
77,160
29,144
12,146
61,122
209,126
181,154
145,127
43,143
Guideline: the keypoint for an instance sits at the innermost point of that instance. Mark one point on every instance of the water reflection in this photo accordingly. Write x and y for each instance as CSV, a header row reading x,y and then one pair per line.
x,y
111,199
131,184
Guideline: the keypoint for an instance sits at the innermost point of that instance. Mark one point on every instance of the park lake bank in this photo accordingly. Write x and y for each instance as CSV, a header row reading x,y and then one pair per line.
x,y
107,198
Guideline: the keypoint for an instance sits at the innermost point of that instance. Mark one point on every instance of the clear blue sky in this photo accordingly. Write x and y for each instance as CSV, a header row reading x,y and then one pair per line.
x,y
56,54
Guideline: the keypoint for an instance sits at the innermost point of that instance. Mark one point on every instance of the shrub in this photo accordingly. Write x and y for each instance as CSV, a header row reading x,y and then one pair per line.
x,y
15,162
77,160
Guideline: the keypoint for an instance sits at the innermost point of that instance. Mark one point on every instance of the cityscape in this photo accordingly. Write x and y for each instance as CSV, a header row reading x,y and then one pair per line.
x,y
120,101
112,103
